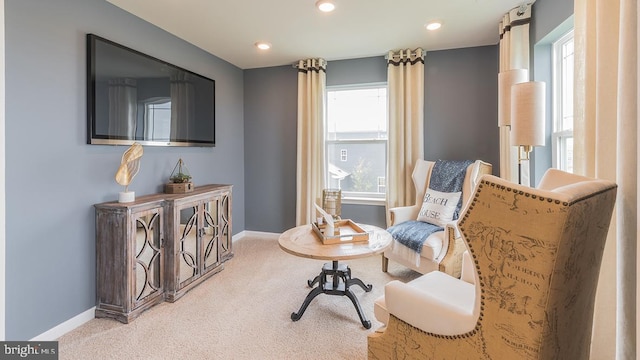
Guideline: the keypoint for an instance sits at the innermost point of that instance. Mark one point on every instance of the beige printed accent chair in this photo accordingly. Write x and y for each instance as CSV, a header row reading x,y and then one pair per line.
x,y
534,256
443,249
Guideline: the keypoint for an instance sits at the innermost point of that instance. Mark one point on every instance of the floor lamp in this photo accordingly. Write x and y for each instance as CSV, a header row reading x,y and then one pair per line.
x,y
527,119
506,79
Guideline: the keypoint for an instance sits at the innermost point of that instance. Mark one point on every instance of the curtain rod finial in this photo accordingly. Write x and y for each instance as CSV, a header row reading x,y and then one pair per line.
x,y
522,9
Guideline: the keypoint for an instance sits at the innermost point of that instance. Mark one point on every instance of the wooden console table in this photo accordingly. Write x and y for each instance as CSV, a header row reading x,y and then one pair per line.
x,y
159,247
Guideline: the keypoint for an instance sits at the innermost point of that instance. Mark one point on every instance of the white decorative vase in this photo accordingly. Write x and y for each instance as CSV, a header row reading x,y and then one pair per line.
x,y
127,196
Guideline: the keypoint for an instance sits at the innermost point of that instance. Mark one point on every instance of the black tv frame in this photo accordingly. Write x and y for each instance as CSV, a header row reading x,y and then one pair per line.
x,y
97,139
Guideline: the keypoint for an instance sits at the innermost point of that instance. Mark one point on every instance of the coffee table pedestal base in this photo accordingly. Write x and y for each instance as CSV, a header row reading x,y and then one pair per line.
x,y
335,279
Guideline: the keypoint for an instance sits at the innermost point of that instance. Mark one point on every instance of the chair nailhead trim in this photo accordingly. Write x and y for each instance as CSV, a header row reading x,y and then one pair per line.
x,y
440,336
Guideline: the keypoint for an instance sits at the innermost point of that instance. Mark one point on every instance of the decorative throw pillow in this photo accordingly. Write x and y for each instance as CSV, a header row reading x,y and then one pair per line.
x,y
438,208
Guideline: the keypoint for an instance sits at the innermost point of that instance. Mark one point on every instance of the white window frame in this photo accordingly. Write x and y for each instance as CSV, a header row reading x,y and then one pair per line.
x,y
382,182
359,198
559,135
343,155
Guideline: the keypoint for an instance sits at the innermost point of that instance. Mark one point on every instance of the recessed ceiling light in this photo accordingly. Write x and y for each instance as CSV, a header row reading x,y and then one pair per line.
x,y
434,25
325,5
263,45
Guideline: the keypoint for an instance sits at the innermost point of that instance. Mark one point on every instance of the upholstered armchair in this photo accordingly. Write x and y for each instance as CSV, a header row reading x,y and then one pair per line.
x,y
535,256
442,250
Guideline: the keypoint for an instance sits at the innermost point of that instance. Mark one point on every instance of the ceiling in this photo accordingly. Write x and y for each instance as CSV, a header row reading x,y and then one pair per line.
x,y
297,29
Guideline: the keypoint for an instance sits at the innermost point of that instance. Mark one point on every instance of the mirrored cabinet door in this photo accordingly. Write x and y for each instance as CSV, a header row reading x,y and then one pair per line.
x,y
188,265
211,237
225,226
148,255
130,258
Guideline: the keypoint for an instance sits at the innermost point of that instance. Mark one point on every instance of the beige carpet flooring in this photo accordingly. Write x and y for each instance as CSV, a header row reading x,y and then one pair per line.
x,y
244,312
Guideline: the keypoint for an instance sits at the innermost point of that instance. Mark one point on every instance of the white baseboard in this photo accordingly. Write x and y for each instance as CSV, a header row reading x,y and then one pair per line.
x,y
65,327
237,236
260,234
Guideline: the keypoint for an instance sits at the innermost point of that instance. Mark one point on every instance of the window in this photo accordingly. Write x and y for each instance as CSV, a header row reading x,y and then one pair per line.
x,y
157,119
356,123
562,147
343,155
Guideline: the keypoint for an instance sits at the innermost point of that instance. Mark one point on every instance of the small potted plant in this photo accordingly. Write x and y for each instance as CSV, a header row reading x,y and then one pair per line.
x,y
180,180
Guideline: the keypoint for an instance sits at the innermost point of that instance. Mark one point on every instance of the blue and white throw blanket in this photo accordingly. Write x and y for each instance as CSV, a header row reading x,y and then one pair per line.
x,y
446,176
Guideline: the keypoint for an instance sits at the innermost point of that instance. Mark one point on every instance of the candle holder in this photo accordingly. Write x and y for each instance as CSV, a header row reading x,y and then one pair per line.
x,y
331,202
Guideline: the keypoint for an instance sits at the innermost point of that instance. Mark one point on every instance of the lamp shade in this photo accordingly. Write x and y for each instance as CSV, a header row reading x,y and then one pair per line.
x,y
506,79
527,113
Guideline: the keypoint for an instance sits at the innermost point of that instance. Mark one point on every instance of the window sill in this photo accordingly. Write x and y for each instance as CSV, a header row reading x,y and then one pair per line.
x,y
363,201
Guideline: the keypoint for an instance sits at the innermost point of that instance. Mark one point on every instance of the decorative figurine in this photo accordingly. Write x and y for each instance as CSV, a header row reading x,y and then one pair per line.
x,y
129,167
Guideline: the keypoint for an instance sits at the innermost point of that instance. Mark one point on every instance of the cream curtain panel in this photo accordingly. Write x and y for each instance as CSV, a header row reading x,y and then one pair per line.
x,y
405,80
606,146
514,54
123,110
183,105
311,154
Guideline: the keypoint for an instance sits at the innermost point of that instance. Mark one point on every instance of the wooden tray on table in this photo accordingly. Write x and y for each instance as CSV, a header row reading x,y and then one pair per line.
x,y
345,231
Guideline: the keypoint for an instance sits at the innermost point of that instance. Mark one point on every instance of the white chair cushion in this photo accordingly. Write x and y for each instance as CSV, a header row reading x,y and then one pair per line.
x,y
380,310
434,302
468,270
433,245
431,249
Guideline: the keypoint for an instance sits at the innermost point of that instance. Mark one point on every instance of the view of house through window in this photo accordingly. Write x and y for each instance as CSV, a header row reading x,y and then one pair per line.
x,y
562,147
356,140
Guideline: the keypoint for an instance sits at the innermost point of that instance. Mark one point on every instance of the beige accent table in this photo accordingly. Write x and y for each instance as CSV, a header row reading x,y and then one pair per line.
x,y
335,278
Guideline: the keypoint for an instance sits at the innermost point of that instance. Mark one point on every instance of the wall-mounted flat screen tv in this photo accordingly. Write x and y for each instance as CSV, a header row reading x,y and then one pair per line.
x,y
133,97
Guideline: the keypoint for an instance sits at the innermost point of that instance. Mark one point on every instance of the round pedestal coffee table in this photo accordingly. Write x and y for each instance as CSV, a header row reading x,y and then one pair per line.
x,y
334,278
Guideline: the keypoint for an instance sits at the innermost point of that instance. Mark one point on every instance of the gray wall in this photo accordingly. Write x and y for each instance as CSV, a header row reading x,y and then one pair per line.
x,y
550,20
270,108
357,71
460,123
547,15
461,105
53,177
